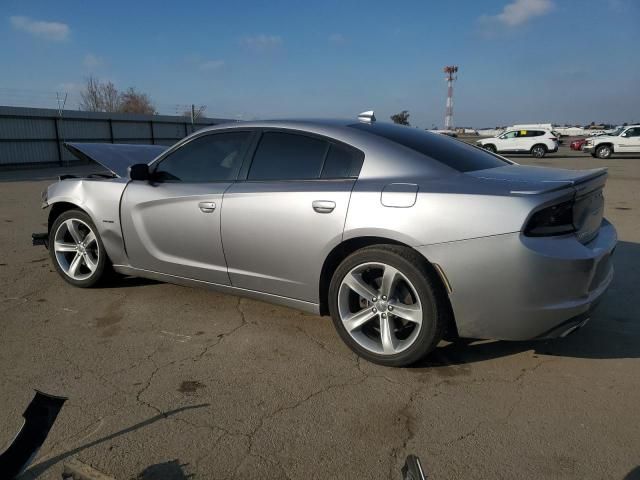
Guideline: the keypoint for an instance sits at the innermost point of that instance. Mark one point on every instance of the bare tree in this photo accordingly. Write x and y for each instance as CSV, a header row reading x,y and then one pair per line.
x,y
91,97
110,97
105,97
401,118
132,101
99,97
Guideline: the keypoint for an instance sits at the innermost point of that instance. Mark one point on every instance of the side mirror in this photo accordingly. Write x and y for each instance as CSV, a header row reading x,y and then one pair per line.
x,y
139,171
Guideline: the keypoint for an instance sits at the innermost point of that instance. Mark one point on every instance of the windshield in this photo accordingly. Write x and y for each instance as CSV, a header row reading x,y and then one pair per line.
x,y
444,149
617,131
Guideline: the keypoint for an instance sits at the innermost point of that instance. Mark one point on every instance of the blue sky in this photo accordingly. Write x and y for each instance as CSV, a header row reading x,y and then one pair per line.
x,y
520,60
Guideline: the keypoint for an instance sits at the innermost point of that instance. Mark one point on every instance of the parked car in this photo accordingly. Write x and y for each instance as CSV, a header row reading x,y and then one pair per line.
x,y
577,144
535,142
623,140
403,236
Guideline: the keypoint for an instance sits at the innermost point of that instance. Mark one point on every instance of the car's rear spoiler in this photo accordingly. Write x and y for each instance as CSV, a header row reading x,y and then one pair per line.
x,y
533,180
115,157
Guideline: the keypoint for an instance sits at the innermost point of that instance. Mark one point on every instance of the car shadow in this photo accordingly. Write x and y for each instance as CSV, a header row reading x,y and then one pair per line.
x,y
172,470
612,333
119,281
633,474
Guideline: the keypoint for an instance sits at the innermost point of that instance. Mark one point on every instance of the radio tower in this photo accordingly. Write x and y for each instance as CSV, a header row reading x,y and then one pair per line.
x,y
451,76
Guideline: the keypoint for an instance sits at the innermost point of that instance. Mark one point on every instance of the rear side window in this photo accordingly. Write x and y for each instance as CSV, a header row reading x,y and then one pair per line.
x,y
286,156
342,162
448,151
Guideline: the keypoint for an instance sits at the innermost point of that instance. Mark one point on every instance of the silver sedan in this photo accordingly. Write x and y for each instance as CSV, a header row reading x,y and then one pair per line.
x,y
404,237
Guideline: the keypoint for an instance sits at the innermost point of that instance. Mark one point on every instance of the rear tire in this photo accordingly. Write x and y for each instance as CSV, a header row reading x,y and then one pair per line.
x,y
604,151
491,148
538,151
76,249
386,305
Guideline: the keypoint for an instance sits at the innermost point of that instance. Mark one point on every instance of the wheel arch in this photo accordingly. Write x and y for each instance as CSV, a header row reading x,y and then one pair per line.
x,y
347,247
604,144
539,144
58,208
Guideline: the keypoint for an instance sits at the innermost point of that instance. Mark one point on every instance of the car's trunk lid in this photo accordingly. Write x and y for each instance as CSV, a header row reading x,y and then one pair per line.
x,y
115,157
587,186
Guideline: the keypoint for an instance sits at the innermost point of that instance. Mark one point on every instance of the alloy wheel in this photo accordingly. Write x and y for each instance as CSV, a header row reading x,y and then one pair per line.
x,y
604,152
538,152
76,249
380,308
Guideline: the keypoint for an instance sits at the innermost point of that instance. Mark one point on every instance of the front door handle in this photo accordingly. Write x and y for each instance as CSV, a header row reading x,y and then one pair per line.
x,y
207,207
323,206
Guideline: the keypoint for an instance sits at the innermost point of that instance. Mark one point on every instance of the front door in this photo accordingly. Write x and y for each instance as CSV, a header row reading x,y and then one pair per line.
x,y
171,224
280,224
629,141
507,142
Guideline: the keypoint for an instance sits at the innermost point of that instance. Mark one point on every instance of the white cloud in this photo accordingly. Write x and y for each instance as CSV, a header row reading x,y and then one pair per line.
x,y
336,38
519,12
48,30
211,64
91,61
261,42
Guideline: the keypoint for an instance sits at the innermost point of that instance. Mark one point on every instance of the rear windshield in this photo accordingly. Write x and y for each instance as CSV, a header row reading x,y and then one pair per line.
x,y
451,152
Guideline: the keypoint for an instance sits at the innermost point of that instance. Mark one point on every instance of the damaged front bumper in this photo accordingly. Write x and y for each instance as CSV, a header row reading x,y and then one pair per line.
x,y
40,239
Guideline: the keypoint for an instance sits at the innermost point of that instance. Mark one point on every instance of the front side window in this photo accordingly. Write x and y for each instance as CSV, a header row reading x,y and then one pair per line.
x,y
210,158
509,135
633,132
288,156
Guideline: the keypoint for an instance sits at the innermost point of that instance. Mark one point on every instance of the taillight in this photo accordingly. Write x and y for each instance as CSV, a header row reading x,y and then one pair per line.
x,y
554,220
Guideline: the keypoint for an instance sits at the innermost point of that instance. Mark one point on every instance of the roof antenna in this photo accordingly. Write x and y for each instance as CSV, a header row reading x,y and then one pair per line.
x,y
367,117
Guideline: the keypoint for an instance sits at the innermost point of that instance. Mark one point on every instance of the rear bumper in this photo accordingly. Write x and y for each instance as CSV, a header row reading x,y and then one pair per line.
x,y
513,287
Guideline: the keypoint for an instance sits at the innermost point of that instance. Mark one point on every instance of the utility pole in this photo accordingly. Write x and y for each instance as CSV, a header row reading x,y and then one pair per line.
x,y
62,101
451,76
195,114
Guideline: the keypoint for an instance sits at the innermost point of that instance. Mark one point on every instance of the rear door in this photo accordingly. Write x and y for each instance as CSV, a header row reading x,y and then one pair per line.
x,y
171,224
280,223
524,140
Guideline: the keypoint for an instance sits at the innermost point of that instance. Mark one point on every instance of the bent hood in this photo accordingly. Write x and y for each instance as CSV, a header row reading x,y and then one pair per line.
x,y
115,157
525,179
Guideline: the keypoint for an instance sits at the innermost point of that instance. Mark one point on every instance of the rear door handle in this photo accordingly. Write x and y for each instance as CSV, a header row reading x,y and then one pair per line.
x,y
323,206
207,207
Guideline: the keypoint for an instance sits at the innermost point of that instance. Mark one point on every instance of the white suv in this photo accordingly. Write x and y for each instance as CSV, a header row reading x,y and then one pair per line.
x,y
537,142
623,140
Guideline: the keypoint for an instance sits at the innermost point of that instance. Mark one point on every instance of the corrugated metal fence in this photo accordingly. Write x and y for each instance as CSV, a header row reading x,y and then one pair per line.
x,y
34,136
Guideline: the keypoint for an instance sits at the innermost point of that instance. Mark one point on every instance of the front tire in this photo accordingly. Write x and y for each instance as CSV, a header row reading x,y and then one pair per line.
x,y
386,305
538,151
76,249
604,151
491,148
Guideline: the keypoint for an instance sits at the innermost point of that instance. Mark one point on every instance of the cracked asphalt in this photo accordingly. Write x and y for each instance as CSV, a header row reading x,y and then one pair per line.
x,y
166,381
